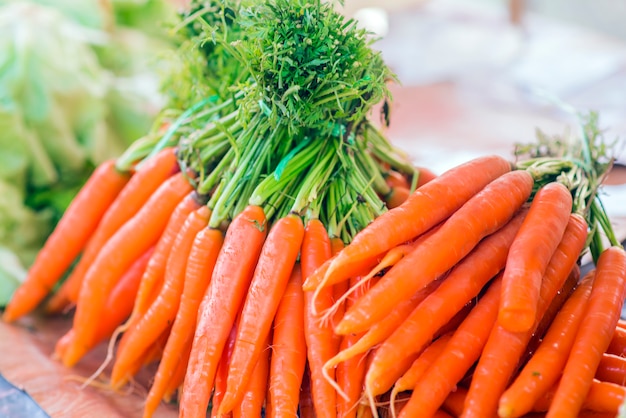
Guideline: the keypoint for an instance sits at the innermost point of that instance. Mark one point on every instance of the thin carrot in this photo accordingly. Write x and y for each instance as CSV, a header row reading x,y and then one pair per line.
x,y
428,206
612,369
288,358
132,197
221,376
200,265
621,323
306,409
462,284
68,239
395,178
176,381
455,401
118,306
483,214
417,370
271,275
594,335
397,196
617,345
221,303
162,312
251,404
456,358
503,350
530,253
316,249
601,397
124,247
425,176
544,368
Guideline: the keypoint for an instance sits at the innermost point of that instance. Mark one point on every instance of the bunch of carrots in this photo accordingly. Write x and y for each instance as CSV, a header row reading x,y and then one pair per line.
x,y
271,252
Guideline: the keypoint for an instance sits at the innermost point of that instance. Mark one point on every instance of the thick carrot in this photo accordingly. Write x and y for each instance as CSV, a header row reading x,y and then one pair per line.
x,y
162,312
485,213
319,337
617,345
612,369
221,303
594,335
417,370
133,196
530,253
118,306
504,349
459,354
428,206
251,404
288,358
125,246
544,368
200,264
462,284
271,275
68,239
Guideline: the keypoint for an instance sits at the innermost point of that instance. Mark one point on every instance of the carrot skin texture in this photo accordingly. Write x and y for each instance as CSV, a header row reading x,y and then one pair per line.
x,y
124,247
456,358
434,202
288,359
202,258
503,349
483,214
135,193
612,369
220,306
544,368
271,275
530,254
252,402
617,345
71,234
221,376
315,251
594,335
162,313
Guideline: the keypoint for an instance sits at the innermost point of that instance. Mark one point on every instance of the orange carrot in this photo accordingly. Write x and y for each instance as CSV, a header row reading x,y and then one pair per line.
x,y
118,307
133,196
394,178
593,337
271,275
544,368
306,409
68,239
288,358
483,214
221,376
397,196
601,397
529,255
457,356
617,345
251,404
612,369
315,251
124,247
162,312
504,349
200,264
462,284
221,303
425,175
428,206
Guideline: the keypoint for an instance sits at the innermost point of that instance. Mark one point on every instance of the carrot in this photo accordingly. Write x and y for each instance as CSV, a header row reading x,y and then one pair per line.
x,y
594,335
425,176
124,247
255,393
394,178
221,377
529,255
221,303
617,345
306,409
601,397
483,214
462,284
68,239
288,358
132,197
621,323
503,349
456,358
316,249
455,401
612,369
397,196
162,312
200,264
544,368
271,275
118,307
176,381
428,206
417,369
